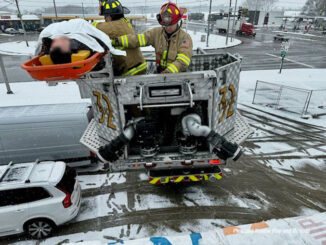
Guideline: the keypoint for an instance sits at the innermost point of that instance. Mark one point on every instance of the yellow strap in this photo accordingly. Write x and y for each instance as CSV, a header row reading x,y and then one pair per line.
x,y
95,23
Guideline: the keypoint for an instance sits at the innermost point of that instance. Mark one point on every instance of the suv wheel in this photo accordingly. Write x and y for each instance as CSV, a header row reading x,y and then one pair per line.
x,y
39,228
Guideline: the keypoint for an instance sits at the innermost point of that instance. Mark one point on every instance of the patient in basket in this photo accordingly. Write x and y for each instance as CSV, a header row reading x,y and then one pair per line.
x,y
71,41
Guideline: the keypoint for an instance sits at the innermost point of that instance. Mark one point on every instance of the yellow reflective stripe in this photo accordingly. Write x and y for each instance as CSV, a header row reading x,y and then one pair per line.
x,y
167,180
136,70
204,176
193,178
140,40
117,2
172,68
103,3
154,181
184,58
144,40
179,179
217,176
123,41
107,6
114,5
126,40
186,62
95,23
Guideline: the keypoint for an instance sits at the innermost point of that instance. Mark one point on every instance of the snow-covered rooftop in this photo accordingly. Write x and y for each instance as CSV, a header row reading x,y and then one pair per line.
x,y
15,17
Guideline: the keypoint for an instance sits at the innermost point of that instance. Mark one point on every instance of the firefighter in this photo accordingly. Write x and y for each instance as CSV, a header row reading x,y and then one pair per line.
x,y
116,25
173,46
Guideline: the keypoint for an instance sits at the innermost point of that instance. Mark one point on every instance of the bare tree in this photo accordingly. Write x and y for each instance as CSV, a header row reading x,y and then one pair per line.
x,y
315,7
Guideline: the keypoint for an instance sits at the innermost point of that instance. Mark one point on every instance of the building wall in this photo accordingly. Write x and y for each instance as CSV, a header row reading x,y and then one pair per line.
x,y
273,20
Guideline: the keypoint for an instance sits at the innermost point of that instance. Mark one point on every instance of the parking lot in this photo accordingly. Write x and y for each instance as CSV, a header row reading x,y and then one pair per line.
x,y
282,174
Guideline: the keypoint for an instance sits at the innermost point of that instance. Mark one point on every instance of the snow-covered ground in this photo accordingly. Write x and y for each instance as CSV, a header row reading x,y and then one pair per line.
x,y
18,48
308,79
36,93
297,230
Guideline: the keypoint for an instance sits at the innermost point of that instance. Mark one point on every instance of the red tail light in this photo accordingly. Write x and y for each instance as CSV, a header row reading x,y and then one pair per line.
x,y
215,162
92,154
67,200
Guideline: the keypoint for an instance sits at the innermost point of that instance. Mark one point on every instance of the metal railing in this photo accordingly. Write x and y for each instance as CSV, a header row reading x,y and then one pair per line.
x,y
292,99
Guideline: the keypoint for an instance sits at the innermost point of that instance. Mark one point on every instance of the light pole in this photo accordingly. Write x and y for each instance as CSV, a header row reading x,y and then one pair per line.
x,y
227,32
55,10
208,21
234,13
22,23
83,10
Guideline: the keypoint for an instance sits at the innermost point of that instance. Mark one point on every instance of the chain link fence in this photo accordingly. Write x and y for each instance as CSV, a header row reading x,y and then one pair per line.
x,y
296,100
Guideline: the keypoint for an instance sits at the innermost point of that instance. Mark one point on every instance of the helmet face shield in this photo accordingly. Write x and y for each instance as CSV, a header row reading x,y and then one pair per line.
x,y
165,19
170,14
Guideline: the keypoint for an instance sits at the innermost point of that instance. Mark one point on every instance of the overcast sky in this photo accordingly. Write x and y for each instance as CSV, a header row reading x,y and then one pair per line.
x,y
34,4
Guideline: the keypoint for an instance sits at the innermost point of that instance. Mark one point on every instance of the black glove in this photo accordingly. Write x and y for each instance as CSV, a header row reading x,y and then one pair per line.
x,y
223,148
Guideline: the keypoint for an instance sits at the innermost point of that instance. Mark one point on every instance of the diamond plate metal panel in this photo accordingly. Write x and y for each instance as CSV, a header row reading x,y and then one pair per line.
x,y
225,98
106,110
241,130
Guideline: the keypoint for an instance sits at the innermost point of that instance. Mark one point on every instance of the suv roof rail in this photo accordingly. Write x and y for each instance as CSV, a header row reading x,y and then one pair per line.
x,y
27,180
6,171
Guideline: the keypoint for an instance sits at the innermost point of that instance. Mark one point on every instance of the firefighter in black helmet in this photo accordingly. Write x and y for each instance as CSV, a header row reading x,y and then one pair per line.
x,y
117,25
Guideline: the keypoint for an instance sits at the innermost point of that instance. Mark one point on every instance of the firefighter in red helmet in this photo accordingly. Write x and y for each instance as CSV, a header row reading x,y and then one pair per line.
x,y
173,46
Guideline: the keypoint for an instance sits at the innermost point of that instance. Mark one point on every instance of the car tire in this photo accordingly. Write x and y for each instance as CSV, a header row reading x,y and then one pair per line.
x,y
39,228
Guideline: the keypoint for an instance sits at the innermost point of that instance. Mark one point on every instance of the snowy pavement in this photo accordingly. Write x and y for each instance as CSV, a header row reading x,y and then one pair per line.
x,y
282,174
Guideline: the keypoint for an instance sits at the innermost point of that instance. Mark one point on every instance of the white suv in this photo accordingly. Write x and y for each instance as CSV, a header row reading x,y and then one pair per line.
x,y
37,197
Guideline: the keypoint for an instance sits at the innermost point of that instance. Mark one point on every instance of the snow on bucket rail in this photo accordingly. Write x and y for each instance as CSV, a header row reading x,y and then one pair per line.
x,y
298,230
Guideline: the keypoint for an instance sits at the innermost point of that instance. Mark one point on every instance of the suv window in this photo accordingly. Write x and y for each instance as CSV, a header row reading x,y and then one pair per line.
x,y
22,195
68,180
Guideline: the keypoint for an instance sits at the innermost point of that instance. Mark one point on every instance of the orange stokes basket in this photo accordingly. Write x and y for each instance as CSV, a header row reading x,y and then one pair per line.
x,y
67,71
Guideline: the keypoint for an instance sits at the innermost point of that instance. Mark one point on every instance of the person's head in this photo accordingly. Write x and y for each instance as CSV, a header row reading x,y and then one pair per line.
x,y
112,10
169,16
60,50
171,29
109,18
